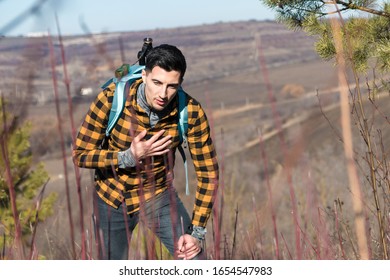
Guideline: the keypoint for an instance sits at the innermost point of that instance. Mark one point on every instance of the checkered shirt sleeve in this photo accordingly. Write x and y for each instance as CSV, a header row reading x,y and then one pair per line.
x,y
87,153
204,158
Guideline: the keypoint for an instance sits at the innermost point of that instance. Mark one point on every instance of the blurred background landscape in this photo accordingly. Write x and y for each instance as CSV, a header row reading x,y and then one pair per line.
x,y
274,108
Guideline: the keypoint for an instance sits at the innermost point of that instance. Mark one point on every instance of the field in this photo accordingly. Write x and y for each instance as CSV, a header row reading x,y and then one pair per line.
x,y
276,125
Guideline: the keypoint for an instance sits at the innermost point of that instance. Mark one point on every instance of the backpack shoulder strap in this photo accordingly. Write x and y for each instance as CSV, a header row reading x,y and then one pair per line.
x,y
183,117
134,73
183,127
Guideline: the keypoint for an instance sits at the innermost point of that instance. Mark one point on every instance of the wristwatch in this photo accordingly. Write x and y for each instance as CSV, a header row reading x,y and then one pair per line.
x,y
197,232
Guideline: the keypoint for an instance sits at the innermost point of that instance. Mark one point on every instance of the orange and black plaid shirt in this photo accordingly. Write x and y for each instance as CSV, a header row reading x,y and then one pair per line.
x,y
153,175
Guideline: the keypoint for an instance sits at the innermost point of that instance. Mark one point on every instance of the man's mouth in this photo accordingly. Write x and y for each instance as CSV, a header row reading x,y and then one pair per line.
x,y
160,102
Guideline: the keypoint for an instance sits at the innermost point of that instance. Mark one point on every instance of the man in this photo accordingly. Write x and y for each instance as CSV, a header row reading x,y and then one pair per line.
x,y
135,169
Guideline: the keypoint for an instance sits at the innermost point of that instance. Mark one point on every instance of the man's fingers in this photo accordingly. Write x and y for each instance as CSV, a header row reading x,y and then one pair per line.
x,y
155,137
189,254
162,143
159,145
140,135
188,247
152,147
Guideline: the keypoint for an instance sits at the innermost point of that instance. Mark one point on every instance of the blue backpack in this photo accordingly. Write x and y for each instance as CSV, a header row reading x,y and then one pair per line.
x,y
134,73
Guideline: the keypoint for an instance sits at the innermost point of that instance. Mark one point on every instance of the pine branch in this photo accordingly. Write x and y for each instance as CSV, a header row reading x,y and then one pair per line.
x,y
353,6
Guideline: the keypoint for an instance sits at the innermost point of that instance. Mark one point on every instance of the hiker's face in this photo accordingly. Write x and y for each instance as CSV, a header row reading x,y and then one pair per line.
x,y
160,87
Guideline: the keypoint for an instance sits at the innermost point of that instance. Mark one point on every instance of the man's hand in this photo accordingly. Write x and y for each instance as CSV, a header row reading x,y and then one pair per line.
x,y
188,247
141,148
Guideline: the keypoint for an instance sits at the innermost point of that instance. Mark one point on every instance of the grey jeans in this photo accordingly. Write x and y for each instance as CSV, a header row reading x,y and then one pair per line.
x,y
165,215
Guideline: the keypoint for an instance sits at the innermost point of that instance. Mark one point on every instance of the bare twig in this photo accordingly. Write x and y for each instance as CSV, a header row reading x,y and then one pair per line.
x,y
73,128
348,145
235,233
278,123
37,209
63,148
270,196
340,238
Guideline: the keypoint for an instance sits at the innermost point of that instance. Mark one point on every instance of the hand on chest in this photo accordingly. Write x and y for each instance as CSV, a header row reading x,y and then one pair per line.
x,y
129,126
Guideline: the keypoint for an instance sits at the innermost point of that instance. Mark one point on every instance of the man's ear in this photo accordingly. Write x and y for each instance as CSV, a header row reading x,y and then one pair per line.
x,y
143,75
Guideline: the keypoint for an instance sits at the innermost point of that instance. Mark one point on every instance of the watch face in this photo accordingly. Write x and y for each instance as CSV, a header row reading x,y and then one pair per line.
x,y
190,229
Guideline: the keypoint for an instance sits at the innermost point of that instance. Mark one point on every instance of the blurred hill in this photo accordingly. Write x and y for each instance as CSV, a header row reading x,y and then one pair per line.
x,y
275,124
213,51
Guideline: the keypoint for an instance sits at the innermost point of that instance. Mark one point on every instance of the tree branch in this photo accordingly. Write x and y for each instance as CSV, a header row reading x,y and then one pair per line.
x,y
353,6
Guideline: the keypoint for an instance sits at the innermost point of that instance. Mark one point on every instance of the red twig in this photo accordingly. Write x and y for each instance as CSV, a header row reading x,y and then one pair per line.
x,y
288,250
276,116
37,209
338,231
217,209
73,128
270,197
61,134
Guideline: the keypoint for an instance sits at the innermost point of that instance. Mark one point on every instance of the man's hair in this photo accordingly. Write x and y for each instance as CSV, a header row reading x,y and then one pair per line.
x,y
168,57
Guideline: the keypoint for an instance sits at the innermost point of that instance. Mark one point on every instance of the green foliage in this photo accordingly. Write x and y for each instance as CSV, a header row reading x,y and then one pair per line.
x,y
28,181
383,53
365,38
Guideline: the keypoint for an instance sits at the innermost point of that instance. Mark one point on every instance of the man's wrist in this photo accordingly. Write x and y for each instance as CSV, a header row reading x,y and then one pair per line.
x,y
126,159
197,232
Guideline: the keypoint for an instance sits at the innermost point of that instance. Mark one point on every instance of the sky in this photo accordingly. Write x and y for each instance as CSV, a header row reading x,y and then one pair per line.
x,y
95,16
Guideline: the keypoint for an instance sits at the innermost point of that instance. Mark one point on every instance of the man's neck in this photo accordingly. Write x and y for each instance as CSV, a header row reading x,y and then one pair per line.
x,y
154,116
141,98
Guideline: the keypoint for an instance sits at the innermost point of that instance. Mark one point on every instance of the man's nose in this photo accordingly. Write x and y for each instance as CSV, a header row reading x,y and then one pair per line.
x,y
164,92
